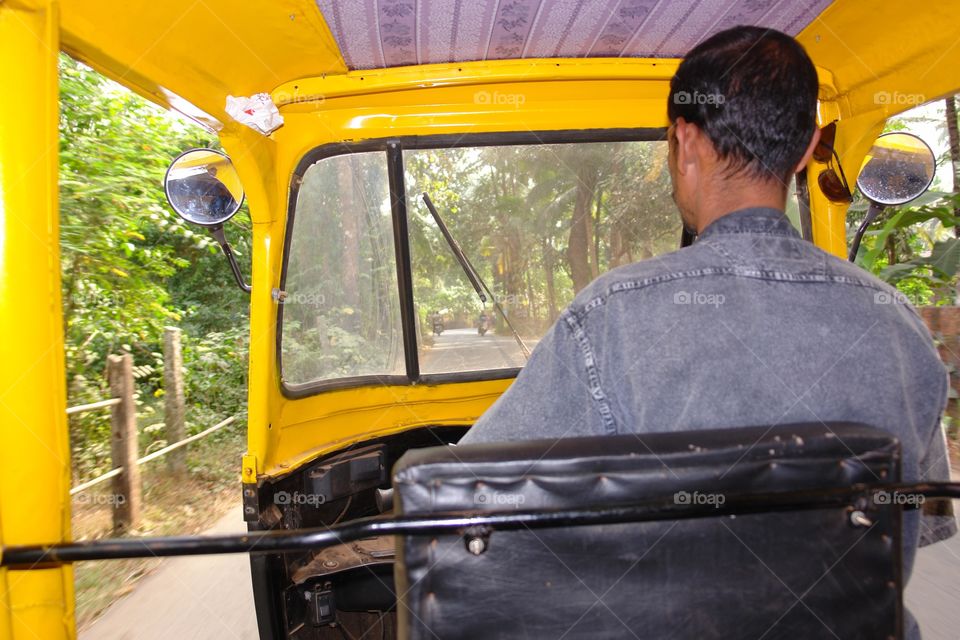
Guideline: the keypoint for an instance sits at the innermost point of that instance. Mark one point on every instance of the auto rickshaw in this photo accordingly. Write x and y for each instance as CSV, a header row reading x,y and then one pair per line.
x,y
483,542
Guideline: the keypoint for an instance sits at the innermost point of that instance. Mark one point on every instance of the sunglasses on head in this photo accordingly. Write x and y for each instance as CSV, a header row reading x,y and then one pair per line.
x,y
833,185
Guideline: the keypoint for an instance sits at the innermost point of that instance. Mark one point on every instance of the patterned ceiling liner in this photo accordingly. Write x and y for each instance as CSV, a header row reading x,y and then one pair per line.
x,y
391,33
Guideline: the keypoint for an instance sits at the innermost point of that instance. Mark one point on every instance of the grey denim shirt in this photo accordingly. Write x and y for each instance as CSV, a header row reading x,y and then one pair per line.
x,y
752,325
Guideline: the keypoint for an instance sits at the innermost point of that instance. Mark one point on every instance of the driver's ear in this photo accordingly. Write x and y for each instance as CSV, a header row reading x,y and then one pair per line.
x,y
686,135
809,152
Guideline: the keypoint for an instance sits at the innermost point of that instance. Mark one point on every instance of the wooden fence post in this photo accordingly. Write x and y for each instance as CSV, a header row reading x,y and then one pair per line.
x,y
123,444
173,401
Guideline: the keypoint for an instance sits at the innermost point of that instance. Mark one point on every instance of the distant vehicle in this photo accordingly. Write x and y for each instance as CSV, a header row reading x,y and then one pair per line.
x,y
483,323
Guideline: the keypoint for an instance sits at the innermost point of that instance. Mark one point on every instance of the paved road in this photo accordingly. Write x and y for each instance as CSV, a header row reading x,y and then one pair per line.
x,y
465,350
933,594
191,598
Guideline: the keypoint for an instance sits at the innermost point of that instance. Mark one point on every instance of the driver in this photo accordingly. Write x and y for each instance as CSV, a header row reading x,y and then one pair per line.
x,y
751,325
209,186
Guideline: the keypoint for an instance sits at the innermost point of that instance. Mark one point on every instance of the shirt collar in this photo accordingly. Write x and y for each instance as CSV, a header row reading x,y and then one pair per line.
x,y
758,220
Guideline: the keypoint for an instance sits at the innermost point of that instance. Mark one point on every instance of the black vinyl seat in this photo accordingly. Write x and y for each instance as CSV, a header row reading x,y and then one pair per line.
x,y
781,574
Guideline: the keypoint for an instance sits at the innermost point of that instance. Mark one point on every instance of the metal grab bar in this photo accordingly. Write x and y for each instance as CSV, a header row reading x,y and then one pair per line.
x,y
471,524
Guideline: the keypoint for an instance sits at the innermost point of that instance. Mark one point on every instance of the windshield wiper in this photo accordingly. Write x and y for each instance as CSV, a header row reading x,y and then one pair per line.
x,y
472,275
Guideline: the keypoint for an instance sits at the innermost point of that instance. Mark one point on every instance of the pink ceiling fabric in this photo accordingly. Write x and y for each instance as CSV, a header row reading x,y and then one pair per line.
x,y
391,33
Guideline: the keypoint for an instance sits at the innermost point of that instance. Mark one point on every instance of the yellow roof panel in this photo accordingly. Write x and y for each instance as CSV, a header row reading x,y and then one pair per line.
x,y
200,50
191,54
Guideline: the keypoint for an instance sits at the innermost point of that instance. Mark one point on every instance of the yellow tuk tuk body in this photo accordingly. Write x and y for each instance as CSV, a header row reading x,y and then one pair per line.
x,y
875,59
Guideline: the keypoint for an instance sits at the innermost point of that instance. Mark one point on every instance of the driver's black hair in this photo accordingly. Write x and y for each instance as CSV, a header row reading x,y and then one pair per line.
x,y
753,92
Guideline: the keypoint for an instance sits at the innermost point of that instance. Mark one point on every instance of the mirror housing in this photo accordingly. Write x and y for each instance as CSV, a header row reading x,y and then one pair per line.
x,y
203,188
899,168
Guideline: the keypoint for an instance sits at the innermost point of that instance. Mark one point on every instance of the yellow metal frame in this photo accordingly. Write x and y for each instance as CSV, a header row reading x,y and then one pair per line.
x,y
34,447
857,57
536,95
540,95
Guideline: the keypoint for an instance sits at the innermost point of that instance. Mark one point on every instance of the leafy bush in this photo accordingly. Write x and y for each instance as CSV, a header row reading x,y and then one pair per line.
x,y
131,267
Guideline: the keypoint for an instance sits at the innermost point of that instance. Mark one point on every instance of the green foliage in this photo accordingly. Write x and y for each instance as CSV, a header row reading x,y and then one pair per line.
x,y
215,375
913,247
130,266
326,351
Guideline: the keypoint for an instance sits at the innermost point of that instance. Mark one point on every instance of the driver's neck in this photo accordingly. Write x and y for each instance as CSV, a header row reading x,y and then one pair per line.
x,y
716,198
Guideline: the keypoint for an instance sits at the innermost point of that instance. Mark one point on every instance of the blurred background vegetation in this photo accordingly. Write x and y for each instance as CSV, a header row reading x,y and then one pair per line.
x,y
915,247
130,268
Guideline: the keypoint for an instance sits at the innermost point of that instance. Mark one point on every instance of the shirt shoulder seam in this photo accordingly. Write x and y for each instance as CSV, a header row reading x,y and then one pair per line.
x,y
632,285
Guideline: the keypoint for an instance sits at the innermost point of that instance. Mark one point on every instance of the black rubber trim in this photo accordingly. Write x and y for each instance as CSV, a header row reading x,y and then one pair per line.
x,y
401,243
803,203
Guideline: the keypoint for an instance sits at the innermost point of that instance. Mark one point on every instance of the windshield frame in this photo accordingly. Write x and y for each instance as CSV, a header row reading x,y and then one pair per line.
x,y
393,148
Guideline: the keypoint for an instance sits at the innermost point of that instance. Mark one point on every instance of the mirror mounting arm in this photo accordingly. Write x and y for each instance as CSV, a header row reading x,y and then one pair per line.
x,y
217,232
875,209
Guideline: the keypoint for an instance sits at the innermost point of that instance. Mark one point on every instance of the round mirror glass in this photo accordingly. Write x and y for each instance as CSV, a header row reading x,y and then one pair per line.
x,y
899,167
203,187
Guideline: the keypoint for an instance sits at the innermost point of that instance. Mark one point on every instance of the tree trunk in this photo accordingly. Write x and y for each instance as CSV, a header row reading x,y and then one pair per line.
x,y
954,137
174,411
529,314
595,267
513,268
548,266
617,248
349,275
578,245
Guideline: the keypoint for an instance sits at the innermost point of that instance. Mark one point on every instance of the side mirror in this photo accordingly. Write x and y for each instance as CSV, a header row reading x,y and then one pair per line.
x,y
899,167
203,187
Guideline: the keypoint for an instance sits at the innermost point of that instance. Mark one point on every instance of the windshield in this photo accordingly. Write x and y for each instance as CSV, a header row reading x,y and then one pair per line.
x,y
538,222
535,222
341,313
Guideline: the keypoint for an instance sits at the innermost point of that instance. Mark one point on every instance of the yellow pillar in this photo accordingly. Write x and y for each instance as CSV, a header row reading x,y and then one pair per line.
x,y
829,218
855,136
255,159
34,446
